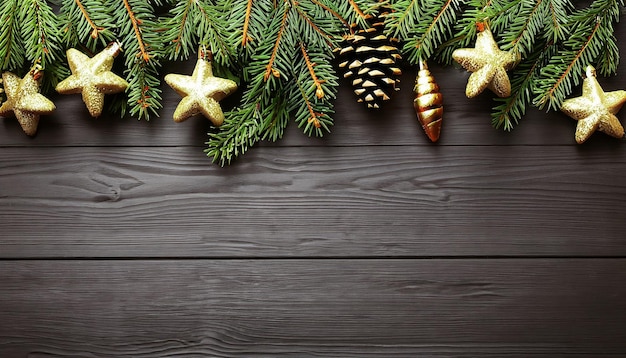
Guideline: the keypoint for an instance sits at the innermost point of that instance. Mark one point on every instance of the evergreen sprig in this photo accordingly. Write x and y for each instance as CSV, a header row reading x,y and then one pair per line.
x,y
12,53
281,50
190,24
510,110
592,32
29,35
87,23
403,17
355,11
434,27
287,52
39,31
142,45
464,30
522,29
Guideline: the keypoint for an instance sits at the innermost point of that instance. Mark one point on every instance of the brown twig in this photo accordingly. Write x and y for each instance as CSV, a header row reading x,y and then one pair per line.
x,y
136,23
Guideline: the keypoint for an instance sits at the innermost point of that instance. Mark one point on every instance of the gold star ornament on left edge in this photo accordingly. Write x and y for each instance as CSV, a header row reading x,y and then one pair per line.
x,y
201,92
92,77
595,109
24,100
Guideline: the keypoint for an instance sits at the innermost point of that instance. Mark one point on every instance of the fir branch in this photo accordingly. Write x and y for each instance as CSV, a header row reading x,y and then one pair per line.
x,y
402,19
608,61
473,12
246,26
95,29
317,83
191,23
141,43
317,27
306,115
433,29
138,33
356,8
281,83
355,11
558,14
314,83
40,43
500,13
591,29
177,27
526,22
212,33
87,22
244,126
38,30
270,70
314,89
332,11
275,116
245,37
12,55
511,109
239,132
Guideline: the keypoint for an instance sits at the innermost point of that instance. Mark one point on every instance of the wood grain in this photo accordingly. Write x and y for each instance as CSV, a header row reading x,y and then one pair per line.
x,y
319,201
119,238
311,308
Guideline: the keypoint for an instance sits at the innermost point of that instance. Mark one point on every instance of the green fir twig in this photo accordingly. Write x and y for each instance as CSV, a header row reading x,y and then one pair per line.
x,y
141,42
288,71
592,31
29,35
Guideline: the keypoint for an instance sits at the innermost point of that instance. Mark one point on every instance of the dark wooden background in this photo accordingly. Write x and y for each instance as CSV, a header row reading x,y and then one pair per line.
x,y
120,238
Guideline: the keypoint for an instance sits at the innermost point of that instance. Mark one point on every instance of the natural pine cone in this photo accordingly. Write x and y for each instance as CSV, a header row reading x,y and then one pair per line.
x,y
370,58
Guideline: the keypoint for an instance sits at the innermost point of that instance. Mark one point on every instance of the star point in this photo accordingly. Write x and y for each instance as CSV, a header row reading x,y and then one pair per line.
x,y
201,93
92,77
488,64
595,110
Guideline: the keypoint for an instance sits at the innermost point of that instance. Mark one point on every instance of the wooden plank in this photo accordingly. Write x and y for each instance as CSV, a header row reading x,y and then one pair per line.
x,y
313,308
320,201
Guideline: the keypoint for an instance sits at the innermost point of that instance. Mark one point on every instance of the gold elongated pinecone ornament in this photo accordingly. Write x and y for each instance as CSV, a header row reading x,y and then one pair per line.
x,y
369,58
428,102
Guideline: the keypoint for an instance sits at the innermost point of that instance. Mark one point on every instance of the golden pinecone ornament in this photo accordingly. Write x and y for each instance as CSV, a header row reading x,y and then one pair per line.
x,y
428,102
488,64
24,100
201,91
92,77
595,109
370,58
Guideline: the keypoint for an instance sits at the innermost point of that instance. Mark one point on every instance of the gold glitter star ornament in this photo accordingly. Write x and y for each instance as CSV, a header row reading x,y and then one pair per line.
x,y
92,77
488,64
24,100
595,109
201,91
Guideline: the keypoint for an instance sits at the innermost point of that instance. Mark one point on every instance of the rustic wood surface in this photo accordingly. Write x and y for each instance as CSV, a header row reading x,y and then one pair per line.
x,y
120,238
